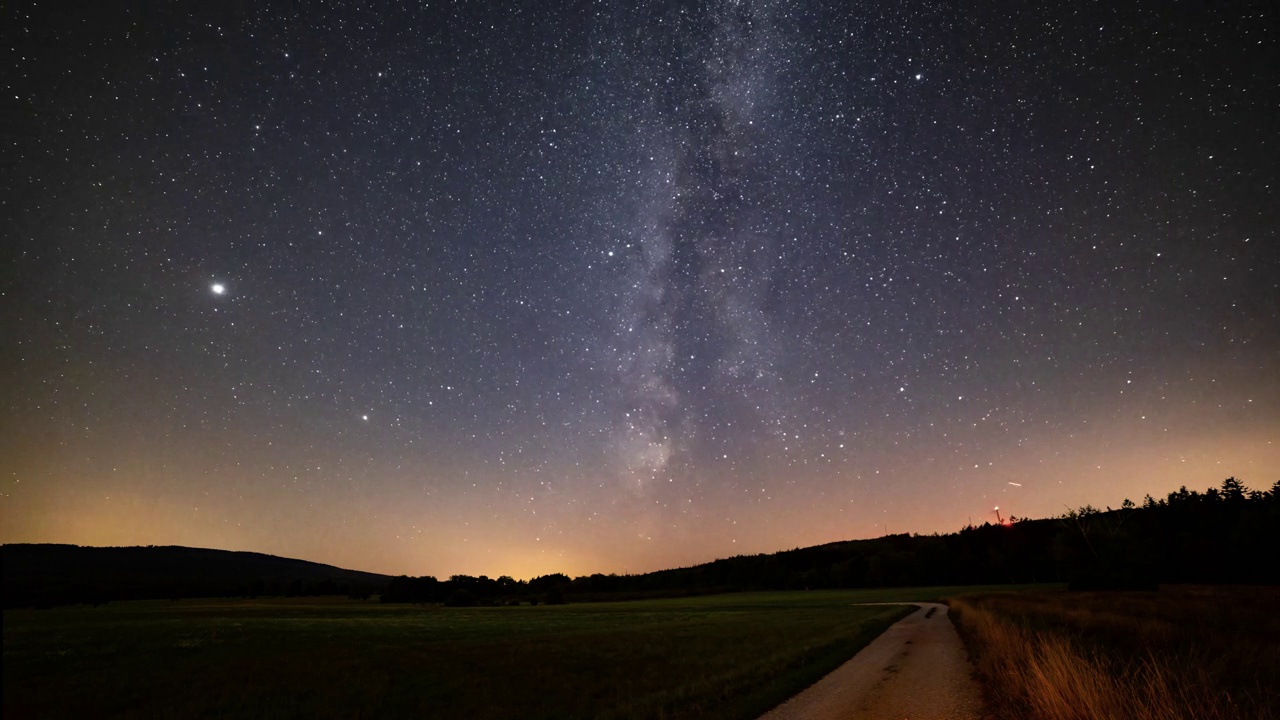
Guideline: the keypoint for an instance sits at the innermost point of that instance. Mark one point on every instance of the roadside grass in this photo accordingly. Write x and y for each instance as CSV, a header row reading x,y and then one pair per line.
x,y
1210,653
720,656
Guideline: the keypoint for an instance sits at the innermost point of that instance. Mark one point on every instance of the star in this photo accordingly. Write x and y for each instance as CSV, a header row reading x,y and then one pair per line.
x,y
681,265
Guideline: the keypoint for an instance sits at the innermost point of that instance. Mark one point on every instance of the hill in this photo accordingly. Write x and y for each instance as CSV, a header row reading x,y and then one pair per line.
x,y
44,575
1228,534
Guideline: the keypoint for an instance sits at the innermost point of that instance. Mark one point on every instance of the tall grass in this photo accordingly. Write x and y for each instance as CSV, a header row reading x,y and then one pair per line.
x,y
1180,653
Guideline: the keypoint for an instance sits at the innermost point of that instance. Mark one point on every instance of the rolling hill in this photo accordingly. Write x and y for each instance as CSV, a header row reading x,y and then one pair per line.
x,y
44,575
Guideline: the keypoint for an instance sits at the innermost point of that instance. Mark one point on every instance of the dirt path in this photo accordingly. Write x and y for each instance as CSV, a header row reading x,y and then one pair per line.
x,y
917,670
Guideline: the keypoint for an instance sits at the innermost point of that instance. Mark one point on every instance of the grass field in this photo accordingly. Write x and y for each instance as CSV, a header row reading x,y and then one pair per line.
x,y
1211,653
724,656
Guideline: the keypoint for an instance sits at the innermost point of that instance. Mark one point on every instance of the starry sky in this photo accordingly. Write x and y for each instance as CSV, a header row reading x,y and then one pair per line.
x,y
527,287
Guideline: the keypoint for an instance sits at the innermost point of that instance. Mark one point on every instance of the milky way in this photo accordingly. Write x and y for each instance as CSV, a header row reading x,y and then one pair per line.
x,y
694,343
578,287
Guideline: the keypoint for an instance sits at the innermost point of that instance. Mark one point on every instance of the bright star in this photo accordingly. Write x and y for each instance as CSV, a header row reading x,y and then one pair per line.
x,y
218,288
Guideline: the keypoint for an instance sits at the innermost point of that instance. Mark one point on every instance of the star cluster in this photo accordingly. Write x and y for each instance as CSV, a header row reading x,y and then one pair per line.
x,y
584,286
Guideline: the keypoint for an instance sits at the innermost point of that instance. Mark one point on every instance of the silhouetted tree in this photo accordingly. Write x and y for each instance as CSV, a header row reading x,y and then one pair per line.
x,y
460,598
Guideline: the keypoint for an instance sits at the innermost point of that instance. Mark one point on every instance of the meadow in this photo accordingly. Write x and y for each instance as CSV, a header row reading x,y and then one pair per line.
x,y
1211,653
722,656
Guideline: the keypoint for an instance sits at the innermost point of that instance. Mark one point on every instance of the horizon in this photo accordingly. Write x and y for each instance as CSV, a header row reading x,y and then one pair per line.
x,y
518,290
1007,521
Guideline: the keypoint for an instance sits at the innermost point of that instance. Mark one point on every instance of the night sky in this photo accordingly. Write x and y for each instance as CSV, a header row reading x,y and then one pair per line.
x,y
517,288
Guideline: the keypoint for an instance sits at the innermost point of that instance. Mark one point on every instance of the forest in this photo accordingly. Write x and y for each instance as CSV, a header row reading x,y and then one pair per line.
x,y
1227,534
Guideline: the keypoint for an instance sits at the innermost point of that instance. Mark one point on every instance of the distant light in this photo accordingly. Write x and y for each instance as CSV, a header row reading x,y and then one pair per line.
x,y
218,288
364,417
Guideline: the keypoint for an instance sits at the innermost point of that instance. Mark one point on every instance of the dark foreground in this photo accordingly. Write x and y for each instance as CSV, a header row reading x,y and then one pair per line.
x,y
726,656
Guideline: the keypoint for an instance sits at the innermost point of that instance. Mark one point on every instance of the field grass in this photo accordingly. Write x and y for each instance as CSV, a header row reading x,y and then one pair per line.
x,y
723,656
1181,652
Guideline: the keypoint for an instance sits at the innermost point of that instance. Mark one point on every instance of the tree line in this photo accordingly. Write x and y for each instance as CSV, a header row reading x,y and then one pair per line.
x,y
1227,534
465,590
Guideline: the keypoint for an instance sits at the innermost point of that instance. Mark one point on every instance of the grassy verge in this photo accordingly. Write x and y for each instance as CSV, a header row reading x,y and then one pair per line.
x,y
723,656
1182,652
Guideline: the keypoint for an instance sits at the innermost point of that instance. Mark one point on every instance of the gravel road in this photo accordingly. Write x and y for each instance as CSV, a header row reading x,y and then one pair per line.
x,y
916,670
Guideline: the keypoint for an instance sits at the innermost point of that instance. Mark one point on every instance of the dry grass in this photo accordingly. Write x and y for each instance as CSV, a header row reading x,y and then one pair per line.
x,y
1208,654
